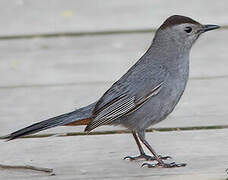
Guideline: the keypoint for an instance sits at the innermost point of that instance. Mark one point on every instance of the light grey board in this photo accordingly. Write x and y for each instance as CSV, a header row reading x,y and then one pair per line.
x,y
21,17
96,58
100,157
204,104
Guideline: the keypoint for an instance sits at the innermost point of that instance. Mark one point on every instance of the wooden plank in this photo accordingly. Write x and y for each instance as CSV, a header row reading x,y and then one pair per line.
x,y
99,157
203,104
20,17
78,71
96,59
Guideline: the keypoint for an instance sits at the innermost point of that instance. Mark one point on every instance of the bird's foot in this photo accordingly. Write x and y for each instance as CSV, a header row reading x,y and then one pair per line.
x,y
164,165
146,157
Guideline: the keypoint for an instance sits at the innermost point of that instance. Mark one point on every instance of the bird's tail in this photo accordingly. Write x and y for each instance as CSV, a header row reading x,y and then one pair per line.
x,y
80,116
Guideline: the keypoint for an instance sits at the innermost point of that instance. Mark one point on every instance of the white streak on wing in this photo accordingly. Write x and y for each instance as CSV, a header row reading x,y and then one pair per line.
x,y
117,108
120,109
154,91
113,107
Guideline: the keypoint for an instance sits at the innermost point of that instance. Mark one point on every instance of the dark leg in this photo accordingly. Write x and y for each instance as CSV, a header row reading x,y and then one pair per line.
x,y
157,158
142,153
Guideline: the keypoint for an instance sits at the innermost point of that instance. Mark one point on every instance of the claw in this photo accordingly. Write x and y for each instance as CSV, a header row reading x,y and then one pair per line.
x,y
164,157
142,156
164,165
128,157
148,165
146,157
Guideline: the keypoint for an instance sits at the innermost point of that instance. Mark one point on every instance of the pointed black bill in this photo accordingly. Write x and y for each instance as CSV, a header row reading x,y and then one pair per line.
x,y
209,27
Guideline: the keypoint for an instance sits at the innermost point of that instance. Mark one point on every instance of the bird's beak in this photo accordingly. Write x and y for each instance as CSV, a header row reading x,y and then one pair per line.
x,y
209,27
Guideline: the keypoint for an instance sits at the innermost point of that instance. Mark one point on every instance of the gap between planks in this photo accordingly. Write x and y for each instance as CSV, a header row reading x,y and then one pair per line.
x,y
90,82
124,131
85,33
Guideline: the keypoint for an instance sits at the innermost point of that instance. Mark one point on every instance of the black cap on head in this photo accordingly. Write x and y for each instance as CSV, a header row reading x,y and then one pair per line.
x,y
177,19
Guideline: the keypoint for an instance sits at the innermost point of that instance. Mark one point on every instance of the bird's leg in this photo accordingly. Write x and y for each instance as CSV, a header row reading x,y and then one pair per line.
x,y
142,153
157,158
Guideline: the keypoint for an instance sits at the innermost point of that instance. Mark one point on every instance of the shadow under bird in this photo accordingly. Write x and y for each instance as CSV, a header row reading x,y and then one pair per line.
x,y
145,95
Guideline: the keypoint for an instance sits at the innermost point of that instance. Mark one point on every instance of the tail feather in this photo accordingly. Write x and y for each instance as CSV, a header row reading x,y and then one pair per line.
x,y
64,119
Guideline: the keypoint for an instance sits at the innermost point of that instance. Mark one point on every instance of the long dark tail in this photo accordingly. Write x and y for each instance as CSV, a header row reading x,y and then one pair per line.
x,y
65,119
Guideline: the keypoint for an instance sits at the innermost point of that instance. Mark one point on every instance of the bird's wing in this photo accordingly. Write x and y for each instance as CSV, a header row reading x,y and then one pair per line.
x,y
120,106
127,95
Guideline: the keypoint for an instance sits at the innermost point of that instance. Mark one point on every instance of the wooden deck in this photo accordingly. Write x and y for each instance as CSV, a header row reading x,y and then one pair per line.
x,y
60,55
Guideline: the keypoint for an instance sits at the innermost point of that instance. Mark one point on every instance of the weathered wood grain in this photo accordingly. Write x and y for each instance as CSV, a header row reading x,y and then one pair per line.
x,y
20,17
99,157
96,59
203,104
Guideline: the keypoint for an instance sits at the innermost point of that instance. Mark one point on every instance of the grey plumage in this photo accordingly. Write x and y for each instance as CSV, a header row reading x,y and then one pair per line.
x,y
148,92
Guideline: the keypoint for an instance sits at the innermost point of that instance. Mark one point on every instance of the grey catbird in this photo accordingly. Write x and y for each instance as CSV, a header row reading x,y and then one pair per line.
x,y
146,94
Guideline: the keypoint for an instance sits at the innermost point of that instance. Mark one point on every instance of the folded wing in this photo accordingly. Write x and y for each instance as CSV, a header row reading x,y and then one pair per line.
x,y
118,107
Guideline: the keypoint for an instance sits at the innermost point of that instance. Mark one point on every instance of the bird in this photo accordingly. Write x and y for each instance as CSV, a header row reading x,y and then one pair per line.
x,y
145,95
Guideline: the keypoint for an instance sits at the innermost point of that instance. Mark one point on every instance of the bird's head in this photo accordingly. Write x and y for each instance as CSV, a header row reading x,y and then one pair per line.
x,y
181,31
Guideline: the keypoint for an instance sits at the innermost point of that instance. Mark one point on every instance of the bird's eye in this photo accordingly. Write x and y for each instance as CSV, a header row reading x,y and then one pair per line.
x,y
188,29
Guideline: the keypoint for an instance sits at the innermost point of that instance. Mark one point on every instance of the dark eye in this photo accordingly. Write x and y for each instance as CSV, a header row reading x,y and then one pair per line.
x,y
188,29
